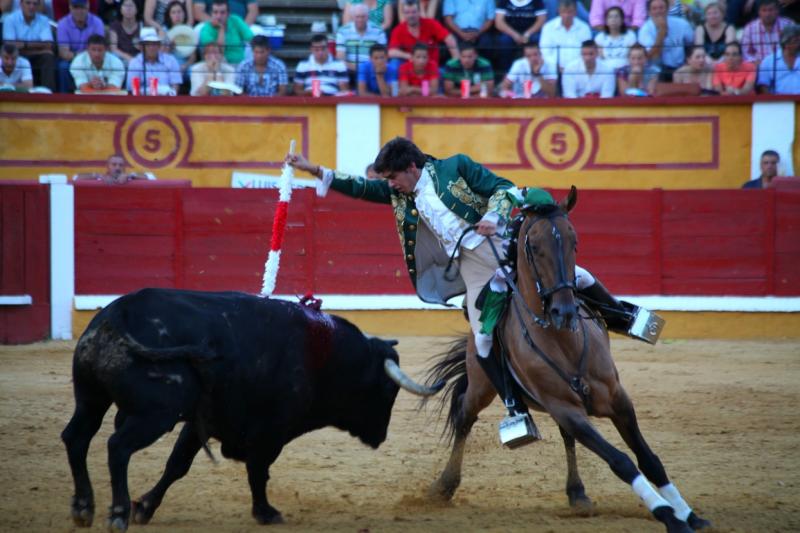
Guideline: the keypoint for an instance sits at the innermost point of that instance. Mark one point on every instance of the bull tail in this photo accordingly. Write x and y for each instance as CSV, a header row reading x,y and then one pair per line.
x,y
450,366
193,352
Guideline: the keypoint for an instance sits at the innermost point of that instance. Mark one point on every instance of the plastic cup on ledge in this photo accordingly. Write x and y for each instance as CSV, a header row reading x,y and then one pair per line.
x,y
527,88
425,87
465,88
316,88
136,86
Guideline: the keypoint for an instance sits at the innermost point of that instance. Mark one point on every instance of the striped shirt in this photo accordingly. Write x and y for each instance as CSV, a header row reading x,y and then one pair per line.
x,y
356,45
265,83
758,43
331,74
480,71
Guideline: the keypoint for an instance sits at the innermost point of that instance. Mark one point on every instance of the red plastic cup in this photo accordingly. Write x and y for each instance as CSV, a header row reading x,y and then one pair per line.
x,y
316,88
465,86
153,89
426,88
136,86
527,88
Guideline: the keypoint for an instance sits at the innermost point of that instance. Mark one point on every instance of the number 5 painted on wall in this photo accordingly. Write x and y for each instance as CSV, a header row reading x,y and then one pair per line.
x,y
558,143
152,142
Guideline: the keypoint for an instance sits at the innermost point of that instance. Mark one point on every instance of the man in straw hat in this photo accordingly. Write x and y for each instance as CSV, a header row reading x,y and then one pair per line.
x,y
152,63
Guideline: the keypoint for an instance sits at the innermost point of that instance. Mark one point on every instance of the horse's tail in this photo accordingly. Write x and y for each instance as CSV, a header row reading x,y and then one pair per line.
x,y
450,366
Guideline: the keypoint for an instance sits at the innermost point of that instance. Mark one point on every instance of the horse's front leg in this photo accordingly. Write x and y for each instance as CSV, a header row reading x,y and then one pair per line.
x,y
472,393
578,499
624,419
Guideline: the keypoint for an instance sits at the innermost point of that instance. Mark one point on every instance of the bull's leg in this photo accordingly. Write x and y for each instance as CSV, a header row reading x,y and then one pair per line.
x,y
136,432
624,419
88,416
577,424
575,490
178,464
258,463
466,405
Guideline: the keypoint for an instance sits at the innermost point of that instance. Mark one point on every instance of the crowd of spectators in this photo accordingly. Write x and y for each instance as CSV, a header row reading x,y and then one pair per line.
x,y
450,48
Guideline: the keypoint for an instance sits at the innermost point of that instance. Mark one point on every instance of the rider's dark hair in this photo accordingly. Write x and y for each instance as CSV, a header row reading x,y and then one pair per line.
x,y
397,155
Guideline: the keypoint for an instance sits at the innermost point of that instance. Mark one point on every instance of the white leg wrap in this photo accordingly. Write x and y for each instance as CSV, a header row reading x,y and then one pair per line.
x,y
647,493
583,278
671,494
483,343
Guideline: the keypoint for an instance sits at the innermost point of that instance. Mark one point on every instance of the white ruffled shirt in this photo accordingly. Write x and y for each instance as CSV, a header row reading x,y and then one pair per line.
x,y
445,224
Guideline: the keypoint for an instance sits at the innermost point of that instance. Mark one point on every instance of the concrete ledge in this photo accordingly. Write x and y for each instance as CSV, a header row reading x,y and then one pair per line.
x,y
16,299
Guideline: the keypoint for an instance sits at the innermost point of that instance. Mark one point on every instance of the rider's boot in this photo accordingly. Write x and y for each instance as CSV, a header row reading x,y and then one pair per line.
x,y
622,317
518,428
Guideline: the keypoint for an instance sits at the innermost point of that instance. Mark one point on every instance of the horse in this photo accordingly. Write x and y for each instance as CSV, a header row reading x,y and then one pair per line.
x,y
561,360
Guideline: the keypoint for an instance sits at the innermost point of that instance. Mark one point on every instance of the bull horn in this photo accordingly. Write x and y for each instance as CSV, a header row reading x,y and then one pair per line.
x,y
405,382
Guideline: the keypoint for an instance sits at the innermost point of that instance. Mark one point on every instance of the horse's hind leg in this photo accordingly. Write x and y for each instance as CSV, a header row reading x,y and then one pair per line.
x,y
473,393
575,490
576,424
178,464
90,407
624,419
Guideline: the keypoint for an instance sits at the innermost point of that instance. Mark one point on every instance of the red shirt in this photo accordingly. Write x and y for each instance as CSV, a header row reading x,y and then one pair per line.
x,y
431,33
408,75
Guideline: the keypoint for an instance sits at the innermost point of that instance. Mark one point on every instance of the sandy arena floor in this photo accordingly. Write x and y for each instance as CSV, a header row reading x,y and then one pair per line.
x,y
723,417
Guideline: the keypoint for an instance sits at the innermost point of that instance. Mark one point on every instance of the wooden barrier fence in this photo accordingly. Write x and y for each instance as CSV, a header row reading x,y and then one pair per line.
x,y
717,242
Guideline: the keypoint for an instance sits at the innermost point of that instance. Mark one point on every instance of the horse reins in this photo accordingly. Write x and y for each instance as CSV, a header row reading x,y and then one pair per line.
x,y
575,382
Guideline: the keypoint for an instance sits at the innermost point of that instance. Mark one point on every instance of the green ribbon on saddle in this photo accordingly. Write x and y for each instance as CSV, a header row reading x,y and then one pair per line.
x,y
493,306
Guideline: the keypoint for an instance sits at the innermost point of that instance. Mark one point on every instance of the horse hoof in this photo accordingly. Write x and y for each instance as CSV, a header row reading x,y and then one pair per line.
x,y
271,516
666,515
697,523
117,524
441,492
141,512
582,505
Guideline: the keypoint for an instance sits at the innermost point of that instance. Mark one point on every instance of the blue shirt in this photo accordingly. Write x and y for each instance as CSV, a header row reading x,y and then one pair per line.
x,y
261,84
16,29
366,73
679,35
78,39
469,13
775,70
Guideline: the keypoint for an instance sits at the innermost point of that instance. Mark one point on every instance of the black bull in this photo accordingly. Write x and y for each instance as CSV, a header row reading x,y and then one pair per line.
x,y
251,372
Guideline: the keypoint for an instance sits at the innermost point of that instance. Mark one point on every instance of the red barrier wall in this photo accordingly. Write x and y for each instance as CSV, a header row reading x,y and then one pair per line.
x,y
728,242
25,261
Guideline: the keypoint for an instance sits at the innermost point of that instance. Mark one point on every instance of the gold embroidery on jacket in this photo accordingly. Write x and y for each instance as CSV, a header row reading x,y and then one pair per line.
x,y
461,191
399,207
500,204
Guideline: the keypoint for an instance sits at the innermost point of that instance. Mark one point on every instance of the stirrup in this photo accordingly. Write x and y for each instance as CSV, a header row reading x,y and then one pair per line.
x,y
518,430
646,326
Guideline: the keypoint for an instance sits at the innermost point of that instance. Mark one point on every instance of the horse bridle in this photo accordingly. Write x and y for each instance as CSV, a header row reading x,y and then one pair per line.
x,y
545,294
575,381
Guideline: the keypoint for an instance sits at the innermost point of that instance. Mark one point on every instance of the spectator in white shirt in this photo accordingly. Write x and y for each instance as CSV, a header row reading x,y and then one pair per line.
x,y
15,70
531,68
616,39
588,76
562,37
95,70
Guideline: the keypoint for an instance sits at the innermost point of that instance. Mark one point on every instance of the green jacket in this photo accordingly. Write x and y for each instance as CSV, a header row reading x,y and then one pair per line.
x,y
467,188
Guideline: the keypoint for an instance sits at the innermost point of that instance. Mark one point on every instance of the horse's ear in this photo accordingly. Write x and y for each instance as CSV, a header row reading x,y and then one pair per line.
x,y
569,202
